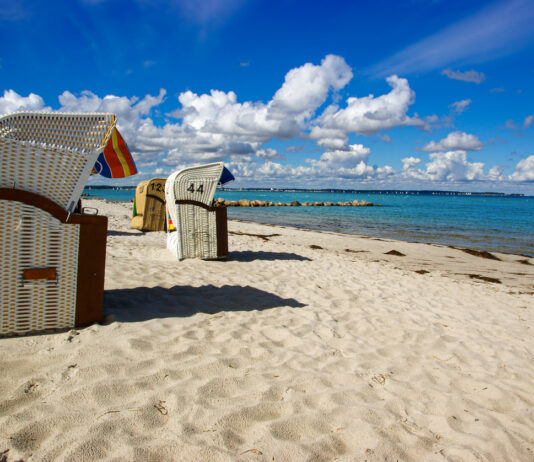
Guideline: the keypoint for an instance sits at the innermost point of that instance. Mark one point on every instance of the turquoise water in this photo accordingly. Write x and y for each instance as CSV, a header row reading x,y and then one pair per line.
x,y
487,223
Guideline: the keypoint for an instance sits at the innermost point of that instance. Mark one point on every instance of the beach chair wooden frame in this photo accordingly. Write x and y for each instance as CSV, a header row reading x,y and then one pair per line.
x,y
201,229
52,260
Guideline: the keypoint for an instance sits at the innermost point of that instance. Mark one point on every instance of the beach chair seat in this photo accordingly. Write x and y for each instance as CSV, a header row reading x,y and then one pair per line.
x,y
200,229
52,260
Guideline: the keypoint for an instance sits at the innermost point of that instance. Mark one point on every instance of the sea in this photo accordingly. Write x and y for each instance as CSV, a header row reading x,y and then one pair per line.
x,y
491,223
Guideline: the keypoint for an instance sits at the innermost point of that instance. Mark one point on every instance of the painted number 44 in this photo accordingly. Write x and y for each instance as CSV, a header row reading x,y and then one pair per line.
x,y
199,189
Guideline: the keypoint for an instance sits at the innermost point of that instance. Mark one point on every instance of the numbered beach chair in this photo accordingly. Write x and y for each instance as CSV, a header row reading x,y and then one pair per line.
x,y
200,229
149,213
52,260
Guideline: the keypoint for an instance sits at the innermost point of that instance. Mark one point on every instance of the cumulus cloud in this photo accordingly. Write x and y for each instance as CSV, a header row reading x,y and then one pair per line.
x,y
217,126
306,88
460,106
524,171
350,163
455,141
295,148
528,121
467,76
410,162
349,158
369,115
385,137
12,101
453,166
142,136
268,153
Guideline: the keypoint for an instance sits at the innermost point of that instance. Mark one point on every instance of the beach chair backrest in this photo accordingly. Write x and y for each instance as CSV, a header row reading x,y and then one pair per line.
x,y
51,154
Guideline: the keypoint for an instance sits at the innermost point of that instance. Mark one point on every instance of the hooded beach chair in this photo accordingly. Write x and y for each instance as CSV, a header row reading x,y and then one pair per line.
x,y
196,229
51,260
149,206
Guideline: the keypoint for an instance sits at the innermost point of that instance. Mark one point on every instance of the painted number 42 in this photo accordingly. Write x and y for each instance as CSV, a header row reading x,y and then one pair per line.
x,y
199,189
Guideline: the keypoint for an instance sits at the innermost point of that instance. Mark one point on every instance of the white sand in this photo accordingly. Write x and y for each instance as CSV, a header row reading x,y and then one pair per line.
x,y
284,352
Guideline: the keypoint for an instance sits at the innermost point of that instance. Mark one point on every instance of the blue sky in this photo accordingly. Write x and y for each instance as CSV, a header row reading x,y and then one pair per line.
x,y
406,94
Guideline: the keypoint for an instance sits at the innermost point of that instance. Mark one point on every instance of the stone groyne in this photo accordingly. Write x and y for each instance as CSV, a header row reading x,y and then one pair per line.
x,y
220,202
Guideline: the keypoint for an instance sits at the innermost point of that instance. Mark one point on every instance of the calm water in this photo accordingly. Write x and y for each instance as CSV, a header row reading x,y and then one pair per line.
x,y
488,223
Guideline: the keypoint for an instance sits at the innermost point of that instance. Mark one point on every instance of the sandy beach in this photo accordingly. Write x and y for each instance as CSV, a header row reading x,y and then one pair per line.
x,y
302,346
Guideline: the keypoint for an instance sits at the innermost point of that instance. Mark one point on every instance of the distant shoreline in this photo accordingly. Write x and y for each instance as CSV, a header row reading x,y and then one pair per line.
x,y
347,191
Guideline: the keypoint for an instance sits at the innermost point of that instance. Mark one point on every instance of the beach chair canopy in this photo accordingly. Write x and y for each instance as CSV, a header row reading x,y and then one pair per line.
x,y
52,153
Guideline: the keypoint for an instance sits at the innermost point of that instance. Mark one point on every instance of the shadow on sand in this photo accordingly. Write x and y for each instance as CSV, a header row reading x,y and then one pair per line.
x,y
144,303
248,256
112,232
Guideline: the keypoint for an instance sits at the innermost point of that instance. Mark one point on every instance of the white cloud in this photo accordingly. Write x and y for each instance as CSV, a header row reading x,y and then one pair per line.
x,y
268,153
217,126
496,173
342,158
368,115
410,162
306,88
460,106
453,166
143,138
524,171
329,138
455,141
12,101
528,121
350,163
467,76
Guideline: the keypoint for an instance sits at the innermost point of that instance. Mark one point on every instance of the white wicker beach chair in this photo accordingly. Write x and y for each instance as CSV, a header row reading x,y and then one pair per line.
x,y
51,260
201,229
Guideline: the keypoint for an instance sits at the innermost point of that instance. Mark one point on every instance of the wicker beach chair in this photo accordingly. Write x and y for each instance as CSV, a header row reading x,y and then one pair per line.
x,y
200,229
149,212
51,259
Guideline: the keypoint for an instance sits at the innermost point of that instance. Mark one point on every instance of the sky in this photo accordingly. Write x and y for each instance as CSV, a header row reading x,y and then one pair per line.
x,y
404,94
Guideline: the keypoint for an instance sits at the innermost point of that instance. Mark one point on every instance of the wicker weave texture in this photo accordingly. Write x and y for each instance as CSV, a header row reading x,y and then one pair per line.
x,y
51,154
198,232
31,238
196,226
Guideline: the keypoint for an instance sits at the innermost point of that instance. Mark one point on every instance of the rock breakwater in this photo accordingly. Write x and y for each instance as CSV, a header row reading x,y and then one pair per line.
x,y
220,202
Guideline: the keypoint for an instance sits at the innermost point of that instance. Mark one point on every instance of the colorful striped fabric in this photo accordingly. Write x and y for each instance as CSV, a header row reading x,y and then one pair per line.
x,y
115,161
